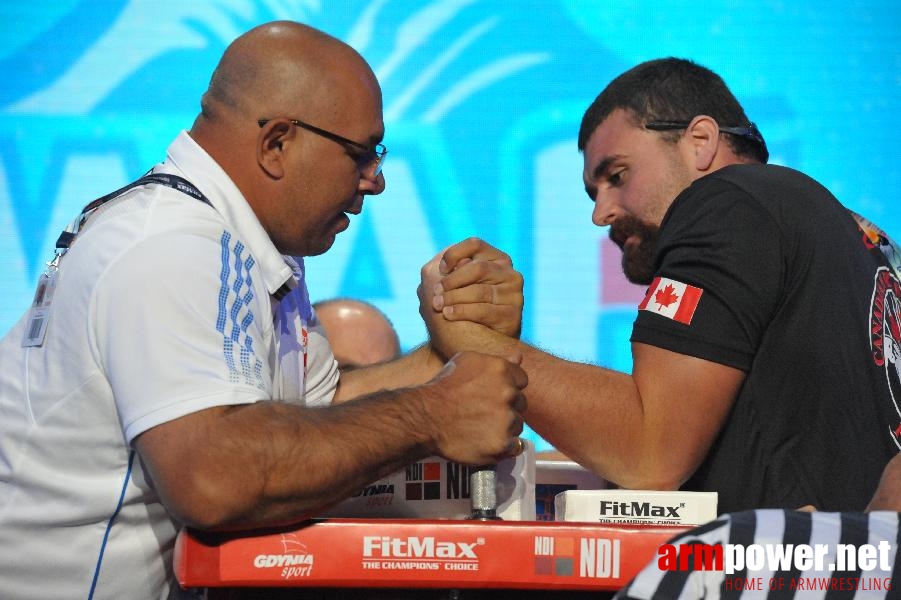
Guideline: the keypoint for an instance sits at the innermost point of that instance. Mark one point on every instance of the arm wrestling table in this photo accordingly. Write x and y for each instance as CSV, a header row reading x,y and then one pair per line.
x,y
420,554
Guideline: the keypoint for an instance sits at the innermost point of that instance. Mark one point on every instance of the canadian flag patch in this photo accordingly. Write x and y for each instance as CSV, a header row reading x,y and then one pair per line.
x,y
672,299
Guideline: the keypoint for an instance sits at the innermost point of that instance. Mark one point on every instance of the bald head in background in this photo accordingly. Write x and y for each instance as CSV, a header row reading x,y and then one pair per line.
x,y
358,332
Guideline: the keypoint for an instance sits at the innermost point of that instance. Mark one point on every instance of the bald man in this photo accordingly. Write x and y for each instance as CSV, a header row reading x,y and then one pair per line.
x,y
181,379
358,332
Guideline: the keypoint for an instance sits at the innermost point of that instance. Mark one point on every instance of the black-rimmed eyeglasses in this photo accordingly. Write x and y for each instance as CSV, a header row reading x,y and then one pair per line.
x,y
749,132
367,156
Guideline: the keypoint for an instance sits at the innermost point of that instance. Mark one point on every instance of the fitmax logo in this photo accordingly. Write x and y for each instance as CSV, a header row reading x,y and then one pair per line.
x,y
638,509
416,547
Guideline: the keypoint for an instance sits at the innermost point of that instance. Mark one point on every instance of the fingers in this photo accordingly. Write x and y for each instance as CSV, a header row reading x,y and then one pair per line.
x,y
482,292
521,381
480,407
470,249
514,357
519,406
444,268
514,373
472,294
429,275
481,271
503,318
504,294
518,446
479,284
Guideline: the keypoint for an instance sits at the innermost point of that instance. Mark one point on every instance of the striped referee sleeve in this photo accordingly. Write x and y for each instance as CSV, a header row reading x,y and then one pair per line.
x,y
652,582
744,532
776,534
796,529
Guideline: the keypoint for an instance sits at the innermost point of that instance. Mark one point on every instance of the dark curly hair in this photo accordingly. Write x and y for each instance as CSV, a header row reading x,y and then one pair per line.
x,y
673,89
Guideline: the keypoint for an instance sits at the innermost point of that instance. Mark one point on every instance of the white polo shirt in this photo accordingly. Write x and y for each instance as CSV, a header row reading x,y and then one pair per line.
x,y
163,307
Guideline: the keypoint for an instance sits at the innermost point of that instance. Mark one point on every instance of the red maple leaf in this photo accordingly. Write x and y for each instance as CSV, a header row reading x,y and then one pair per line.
x,y
666,296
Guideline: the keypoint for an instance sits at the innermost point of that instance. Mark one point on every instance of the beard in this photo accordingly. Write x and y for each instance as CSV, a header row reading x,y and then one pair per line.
x,y
638,258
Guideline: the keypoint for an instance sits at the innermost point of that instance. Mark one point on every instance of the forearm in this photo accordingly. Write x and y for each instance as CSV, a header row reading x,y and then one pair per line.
x,y
650,429
593,415
414,368
271,463
267,463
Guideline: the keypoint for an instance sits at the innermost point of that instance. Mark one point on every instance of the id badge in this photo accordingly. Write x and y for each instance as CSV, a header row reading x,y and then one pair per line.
x,y
39,313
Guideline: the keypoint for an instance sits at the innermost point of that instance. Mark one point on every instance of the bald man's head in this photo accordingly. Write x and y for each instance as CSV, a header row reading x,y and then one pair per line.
x,y
358,332
275,67
293,116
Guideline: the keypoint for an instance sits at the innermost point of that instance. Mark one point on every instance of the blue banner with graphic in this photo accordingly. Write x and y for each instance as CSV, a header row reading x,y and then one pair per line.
x,y
482,102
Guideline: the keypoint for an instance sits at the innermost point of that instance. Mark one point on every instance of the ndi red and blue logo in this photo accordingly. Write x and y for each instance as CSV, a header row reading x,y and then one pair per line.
x,y
423,481
554,555
590,557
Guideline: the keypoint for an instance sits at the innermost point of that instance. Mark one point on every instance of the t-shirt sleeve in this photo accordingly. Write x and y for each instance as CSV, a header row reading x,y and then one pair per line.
x,y
655,581
308,371
322,368
720,241
179,324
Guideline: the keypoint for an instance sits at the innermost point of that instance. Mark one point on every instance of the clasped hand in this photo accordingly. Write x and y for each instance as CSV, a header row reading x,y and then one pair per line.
x,y
467,291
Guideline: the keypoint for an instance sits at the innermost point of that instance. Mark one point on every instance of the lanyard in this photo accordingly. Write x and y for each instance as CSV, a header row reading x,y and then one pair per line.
x,y
39,314
173,181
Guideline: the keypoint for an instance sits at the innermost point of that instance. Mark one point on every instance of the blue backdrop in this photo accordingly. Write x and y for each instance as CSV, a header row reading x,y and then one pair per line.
x,y
482,104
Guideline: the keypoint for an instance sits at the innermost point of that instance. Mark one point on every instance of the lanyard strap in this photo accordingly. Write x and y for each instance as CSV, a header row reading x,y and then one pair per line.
x,y
172,181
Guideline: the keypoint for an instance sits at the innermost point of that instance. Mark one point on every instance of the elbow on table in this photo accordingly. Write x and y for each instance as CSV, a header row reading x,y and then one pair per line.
x,y
206,504
641,482
636,470
663,477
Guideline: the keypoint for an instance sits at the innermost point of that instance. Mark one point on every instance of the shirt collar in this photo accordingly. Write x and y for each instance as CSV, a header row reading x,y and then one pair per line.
x,y
185,157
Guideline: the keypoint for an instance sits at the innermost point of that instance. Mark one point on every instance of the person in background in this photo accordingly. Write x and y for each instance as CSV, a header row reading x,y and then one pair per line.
x,y
171,374
763,361
358,332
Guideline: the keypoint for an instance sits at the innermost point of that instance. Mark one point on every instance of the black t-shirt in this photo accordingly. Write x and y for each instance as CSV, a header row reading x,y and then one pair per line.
x,y
792,292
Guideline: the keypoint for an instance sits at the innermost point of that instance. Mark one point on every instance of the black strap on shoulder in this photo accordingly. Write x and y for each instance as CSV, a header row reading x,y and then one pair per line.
x,y
173,181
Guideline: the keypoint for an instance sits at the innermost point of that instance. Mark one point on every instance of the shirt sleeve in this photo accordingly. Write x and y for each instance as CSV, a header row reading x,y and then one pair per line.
x,y
322,368
658,579
308,372
180,322
720,241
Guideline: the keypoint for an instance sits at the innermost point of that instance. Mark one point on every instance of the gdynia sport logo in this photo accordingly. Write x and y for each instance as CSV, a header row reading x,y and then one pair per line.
x,y
789,566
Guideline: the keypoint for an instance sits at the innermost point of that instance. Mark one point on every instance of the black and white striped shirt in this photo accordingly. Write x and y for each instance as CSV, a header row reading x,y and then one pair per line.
x,y
780,528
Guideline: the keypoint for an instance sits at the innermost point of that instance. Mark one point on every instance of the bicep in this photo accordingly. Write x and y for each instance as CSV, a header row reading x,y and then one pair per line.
x,y
183,460
686,400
